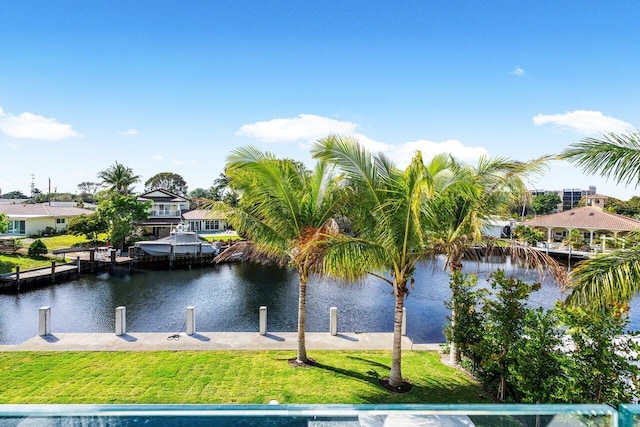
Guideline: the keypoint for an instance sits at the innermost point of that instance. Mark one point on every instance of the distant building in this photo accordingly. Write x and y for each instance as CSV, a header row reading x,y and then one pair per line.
x,y
570,197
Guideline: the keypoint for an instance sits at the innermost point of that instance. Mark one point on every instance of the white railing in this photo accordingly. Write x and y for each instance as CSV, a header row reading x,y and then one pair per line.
x,y
165,213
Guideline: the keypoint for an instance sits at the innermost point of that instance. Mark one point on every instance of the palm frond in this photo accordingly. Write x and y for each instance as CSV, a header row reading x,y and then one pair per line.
x,y
247,251
613,155
605,279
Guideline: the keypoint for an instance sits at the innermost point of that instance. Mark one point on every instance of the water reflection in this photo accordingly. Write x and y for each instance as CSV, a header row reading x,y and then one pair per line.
x,y
227,298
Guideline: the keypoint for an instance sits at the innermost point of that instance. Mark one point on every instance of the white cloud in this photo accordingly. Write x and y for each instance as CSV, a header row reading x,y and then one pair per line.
x,y
401,154
33,126
584,122
304,127
13,147
177,162
158,157
307,128
129,132
518,71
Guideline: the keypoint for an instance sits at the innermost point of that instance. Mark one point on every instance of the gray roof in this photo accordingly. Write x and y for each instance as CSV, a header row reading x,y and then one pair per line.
x,y
42,210
202,214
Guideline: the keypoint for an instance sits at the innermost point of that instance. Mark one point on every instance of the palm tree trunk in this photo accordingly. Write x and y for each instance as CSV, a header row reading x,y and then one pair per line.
x,y
395,377
454,356
302,303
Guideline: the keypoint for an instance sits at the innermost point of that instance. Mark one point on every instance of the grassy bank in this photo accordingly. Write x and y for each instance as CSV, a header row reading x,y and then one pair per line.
x,y
226,377
8,263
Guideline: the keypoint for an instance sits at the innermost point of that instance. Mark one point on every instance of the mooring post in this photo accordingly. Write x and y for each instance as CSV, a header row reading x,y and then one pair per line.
x,y
333,320
18,278
121,320
92,258
263,320
44,321
78,263
404,321
112,265
191,320
53,272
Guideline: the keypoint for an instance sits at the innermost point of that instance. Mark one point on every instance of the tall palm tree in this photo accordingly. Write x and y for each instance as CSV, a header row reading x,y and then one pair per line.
x,y
615,276
282,206
389,229
119,177
459,219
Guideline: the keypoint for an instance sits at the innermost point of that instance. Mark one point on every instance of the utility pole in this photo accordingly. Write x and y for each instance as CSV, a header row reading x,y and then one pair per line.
x,y
33,185
49,198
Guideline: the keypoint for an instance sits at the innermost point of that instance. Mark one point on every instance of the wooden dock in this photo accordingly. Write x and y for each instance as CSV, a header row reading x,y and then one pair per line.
x,y
30,278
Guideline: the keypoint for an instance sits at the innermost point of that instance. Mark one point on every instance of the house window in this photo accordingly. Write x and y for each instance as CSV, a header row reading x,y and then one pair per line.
x,y
208,225
60,221
216,224
163,210
194,225
16,227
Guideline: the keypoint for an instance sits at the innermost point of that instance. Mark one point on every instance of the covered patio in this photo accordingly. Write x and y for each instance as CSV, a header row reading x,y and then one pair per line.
x,y
595,224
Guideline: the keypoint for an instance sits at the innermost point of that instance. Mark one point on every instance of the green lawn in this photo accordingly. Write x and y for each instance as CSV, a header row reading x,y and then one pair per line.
x,y
62,241
223,237
8,263
226,377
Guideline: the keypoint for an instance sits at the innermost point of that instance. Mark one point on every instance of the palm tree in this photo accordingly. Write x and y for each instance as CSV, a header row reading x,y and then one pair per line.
x,y
611,277
390,233
282,206
119,178
458,220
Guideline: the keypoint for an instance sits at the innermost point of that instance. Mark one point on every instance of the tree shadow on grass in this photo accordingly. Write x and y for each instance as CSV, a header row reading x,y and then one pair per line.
x,y
423,390
371,362
7,267
370,377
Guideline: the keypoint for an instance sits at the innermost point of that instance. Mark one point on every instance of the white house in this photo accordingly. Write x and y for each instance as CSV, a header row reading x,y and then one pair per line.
x,y
165,211
202,221
34,219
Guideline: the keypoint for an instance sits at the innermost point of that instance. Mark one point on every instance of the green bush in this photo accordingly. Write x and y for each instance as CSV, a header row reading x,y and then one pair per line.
x,y
37,248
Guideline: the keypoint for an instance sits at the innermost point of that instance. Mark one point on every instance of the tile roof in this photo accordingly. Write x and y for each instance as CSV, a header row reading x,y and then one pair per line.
x,y
42,210
587,217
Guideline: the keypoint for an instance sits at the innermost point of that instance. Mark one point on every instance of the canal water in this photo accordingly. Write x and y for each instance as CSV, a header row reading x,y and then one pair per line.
x,y
227,298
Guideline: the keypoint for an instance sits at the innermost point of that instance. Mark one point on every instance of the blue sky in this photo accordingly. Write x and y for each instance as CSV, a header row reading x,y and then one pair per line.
x,y
175,86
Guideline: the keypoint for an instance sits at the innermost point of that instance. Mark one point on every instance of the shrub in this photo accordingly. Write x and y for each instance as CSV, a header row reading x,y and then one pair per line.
x,y
37,248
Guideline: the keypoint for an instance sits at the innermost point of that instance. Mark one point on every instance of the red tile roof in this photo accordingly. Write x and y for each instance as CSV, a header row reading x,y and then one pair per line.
x,y
587,217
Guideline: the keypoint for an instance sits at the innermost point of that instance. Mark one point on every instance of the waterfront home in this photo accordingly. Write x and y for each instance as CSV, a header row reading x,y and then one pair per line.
x,y
168,210
165,212
205,221
592,221
36,219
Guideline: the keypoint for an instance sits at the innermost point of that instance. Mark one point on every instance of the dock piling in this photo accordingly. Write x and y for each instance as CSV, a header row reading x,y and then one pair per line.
x,y
404,322
44,321
263,320
191,320
333,320
121,320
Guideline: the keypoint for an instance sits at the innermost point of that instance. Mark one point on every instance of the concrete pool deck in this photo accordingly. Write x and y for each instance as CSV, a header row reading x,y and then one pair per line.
x,y
154,341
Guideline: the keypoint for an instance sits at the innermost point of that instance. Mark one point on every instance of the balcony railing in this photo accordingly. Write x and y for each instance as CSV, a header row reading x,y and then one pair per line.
x,y
334,415
164,213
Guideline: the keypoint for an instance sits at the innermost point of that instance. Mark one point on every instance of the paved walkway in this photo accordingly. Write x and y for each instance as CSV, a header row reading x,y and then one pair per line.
x,y
146,341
